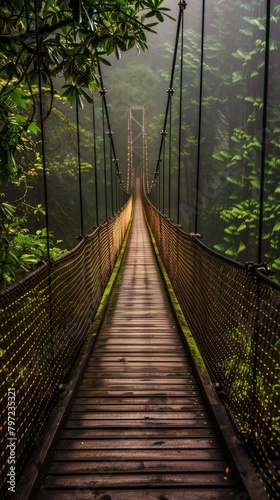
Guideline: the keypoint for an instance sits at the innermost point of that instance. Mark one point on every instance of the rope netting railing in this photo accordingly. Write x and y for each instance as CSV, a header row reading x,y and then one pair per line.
x,y
45,318
233,312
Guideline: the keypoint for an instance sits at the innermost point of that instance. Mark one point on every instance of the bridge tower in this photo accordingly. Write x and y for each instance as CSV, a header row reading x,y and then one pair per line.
x,y
137,160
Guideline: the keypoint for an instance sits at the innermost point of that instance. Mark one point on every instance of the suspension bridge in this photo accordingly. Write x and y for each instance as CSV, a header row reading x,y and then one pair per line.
x,y
141,364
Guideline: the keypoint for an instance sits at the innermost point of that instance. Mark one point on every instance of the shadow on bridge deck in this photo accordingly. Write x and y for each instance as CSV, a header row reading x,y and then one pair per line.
x,y
138,427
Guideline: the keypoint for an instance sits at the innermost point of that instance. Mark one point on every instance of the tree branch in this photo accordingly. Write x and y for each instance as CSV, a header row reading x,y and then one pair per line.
x,y
42,30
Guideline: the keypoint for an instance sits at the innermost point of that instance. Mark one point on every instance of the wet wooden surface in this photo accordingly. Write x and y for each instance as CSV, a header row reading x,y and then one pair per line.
x,y
138,428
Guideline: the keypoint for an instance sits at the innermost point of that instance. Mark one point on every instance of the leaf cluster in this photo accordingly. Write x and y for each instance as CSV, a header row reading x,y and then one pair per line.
x,y
20,251
60,39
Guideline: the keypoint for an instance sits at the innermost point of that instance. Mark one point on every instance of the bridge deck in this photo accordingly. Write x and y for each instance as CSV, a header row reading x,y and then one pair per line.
x,y
138,428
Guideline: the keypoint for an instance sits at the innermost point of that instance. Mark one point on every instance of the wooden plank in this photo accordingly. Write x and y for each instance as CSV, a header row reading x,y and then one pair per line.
x,y
95,392
147,494
120,407
147,340
137,415
124,363
148,423
140,331
134,324
146,385
134,432
151,374
111,455
125,350
138,358
136,381
126,360
137,444
133,332
92,467
170,400
128,368
117,480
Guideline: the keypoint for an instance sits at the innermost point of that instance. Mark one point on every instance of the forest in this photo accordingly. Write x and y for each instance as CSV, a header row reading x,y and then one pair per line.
x,y
52,121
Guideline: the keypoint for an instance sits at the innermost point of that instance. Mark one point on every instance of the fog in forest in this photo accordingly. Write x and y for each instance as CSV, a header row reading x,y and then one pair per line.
x,y
227,184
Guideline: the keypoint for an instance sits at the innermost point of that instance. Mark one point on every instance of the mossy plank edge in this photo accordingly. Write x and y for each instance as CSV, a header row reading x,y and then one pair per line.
x,y
111,282
178,311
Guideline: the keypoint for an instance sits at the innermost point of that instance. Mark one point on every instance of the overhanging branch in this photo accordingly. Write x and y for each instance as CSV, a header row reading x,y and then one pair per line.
x,y
42,30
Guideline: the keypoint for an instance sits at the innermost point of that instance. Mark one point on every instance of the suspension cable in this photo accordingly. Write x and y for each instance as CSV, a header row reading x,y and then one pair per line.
x,y
102,92
95,161
163,176
159,186
110,133
108,119
170,91
79,170
170,158
145,149
264,129
129,149
111,174
199,116
116,193
42,126
180,121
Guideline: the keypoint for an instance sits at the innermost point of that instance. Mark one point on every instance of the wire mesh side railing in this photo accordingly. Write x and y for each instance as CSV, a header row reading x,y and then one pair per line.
x,y
45,319
234,315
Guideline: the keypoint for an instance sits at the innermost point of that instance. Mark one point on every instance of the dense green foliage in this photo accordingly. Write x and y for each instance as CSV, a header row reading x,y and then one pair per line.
x,y
241,159
240,130
49,51
20,250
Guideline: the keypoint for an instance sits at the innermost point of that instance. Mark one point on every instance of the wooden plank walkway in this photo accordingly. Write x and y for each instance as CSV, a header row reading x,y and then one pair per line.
x,y
138,428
